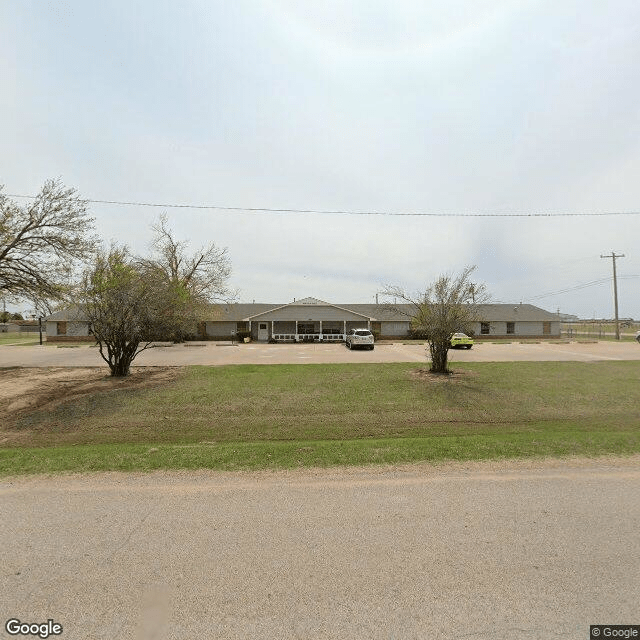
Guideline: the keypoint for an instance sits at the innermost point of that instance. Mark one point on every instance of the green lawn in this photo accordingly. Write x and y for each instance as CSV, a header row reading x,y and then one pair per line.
x,y
256,416
20,338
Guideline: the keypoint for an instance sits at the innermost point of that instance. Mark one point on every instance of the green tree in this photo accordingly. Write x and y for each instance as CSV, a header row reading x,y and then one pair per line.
x,y
7,316
448,305
123,307
131,301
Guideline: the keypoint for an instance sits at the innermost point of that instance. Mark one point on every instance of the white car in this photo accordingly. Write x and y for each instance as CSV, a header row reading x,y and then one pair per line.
x,y
359,338
638,336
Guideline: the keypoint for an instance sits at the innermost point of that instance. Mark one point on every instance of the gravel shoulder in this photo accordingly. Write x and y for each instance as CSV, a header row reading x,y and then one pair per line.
x,y
423,471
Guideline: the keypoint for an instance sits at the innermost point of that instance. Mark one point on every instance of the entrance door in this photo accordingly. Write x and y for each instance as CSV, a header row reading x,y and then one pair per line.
x,y
263,331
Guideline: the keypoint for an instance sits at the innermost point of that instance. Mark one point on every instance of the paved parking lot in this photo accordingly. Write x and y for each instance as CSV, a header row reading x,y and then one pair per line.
x,y
211,353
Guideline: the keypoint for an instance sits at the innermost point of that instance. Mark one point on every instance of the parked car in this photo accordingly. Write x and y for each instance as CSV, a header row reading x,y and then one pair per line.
x,y
638,336
359,338
461,341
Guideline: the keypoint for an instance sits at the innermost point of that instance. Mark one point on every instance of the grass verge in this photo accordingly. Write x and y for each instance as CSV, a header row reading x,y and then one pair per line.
x,y
284,416
313,453
22,339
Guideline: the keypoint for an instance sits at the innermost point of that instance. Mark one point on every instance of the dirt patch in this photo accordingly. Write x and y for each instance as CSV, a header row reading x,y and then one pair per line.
x,y
452,377
23,390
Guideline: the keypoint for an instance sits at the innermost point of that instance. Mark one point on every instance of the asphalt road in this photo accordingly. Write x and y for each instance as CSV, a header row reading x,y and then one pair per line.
x,y
515,551
211,353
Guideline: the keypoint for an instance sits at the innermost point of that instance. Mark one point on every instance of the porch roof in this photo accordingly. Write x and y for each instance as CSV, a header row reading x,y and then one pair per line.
x,y
309,309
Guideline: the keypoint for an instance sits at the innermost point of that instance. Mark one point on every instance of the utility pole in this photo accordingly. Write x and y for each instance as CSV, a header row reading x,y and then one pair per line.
x,y
613,256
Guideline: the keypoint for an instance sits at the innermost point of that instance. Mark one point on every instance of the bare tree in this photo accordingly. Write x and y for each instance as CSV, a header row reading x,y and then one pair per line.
x,y
448,305
41,244
192,282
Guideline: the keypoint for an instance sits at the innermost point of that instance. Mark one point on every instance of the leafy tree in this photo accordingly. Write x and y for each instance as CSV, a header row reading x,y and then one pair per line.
x,y
448,305
41,244
123,307
131,302
7,316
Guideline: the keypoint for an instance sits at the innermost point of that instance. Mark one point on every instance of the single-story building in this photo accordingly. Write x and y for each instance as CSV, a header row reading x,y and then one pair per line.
x,y
313,320
9,327
68,325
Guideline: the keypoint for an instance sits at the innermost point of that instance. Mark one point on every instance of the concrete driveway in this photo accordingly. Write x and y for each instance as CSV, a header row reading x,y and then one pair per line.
x,y
211,353
493,551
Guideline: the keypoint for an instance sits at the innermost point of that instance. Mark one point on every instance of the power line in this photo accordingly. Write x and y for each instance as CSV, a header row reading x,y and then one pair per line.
x,y
583,285
348,212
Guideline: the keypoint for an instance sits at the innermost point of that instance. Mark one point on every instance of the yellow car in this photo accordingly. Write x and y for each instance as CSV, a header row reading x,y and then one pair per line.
x,y
461,341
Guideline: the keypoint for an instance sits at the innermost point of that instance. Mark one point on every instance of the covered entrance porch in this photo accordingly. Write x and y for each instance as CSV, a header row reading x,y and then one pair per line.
x,y
308,320
313,331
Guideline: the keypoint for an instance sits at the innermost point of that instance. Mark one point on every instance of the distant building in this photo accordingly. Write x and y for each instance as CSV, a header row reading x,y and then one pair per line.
x,y
68,325
311,319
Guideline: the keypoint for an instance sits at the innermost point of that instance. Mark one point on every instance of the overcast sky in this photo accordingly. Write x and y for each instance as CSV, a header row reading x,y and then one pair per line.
x,y
434,107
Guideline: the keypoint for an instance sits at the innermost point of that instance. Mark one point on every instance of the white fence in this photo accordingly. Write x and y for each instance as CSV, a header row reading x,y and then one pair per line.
x,y
308,337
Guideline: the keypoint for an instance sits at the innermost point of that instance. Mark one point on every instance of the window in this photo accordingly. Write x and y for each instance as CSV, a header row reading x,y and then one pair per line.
x,y
484,328
546,328
511,327
62,328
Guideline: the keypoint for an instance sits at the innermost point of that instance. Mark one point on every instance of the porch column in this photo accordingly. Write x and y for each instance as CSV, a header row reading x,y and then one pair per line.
x,y
272,324
344,328
369,325
249,328
296,338
320,329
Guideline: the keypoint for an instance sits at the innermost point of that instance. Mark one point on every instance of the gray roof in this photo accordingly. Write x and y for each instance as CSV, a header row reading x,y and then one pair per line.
x,y
240,311
400,312
237,312
486,312
514,312
68,313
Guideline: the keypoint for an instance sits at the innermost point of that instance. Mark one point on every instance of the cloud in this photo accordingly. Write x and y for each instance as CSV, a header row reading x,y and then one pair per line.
x,y
448,107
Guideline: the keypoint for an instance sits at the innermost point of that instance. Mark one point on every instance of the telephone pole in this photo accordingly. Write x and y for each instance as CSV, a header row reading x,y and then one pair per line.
x,y
613,256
